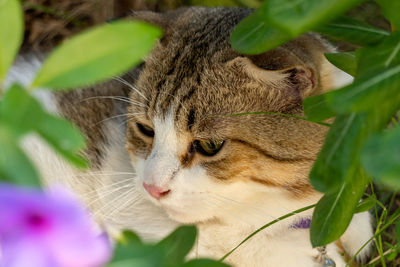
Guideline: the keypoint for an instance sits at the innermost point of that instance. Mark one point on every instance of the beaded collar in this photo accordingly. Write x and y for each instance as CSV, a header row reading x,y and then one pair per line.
x,y
322,258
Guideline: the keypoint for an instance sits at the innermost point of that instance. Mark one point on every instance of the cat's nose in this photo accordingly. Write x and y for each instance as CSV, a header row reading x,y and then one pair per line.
x,y
155,191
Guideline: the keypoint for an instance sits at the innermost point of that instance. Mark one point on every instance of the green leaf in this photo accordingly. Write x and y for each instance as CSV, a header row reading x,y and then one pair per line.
x,y
364,93
391,10
134,262
11,33
345,61
334,211
64,137
366,204
23,114
15,167
317,109
379,57
398,232
129,237
254,35
339,153
381,158
297,17
377,81
20,110
353,31
130,251
97,54
178,244
343,144
204,263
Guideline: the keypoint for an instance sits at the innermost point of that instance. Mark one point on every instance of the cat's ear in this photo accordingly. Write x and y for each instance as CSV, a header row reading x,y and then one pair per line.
x,y
297,79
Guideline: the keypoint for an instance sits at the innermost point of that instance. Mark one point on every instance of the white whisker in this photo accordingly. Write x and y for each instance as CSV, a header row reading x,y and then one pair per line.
x,y
110,118
121,80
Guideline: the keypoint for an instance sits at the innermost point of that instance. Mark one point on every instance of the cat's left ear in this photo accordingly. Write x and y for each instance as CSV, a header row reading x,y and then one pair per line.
x,y
298,79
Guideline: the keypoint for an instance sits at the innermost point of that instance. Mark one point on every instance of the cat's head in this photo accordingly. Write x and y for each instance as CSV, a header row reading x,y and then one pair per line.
x,y
193,157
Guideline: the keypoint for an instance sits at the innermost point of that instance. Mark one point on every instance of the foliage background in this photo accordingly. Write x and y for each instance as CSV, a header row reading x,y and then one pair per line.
x,y
48,22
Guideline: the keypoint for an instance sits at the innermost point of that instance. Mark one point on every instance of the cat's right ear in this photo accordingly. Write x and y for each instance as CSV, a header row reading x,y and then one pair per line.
x,y
297,80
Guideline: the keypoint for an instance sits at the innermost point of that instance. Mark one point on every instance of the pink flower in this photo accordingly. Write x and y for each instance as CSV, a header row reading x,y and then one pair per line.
x,y
43,229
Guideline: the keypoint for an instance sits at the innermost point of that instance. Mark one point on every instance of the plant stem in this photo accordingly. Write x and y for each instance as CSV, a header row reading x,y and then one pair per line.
x,y
265,226
391,220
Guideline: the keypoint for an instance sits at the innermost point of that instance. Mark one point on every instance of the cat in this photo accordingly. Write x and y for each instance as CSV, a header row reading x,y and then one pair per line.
x,y
165,150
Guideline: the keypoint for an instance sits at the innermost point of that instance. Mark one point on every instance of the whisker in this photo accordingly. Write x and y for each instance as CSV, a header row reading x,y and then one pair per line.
x,y
112,202
95,191
110,118
127,203
121,80
108,192
119,98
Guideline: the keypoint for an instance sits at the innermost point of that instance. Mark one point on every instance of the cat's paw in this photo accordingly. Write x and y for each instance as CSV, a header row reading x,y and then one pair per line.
x,y
357,234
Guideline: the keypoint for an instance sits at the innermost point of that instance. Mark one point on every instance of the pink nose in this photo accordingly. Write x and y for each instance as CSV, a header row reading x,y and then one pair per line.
x,y
155,191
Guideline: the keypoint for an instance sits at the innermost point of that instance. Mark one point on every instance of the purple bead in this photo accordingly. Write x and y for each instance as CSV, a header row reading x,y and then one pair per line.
x,y
304,223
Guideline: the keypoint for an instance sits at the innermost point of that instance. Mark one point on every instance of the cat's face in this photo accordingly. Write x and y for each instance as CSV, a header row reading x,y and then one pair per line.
x,y
192,157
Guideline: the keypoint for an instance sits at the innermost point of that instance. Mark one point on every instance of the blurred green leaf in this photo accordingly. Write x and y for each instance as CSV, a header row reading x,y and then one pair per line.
x,y
392,256
366,204
334,211
254,35
398,233
129,237
133,262
317,109
178,244
132,252
353,31
381,158
366,92
379,57
297,17
20,110
345,61
339,153
64,137
23,114
377,84
204,263
15,167
11,33
391,9
97,54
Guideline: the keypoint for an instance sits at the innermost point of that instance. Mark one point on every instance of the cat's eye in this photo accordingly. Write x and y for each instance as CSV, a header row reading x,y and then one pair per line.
x,y
146,130
208,147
